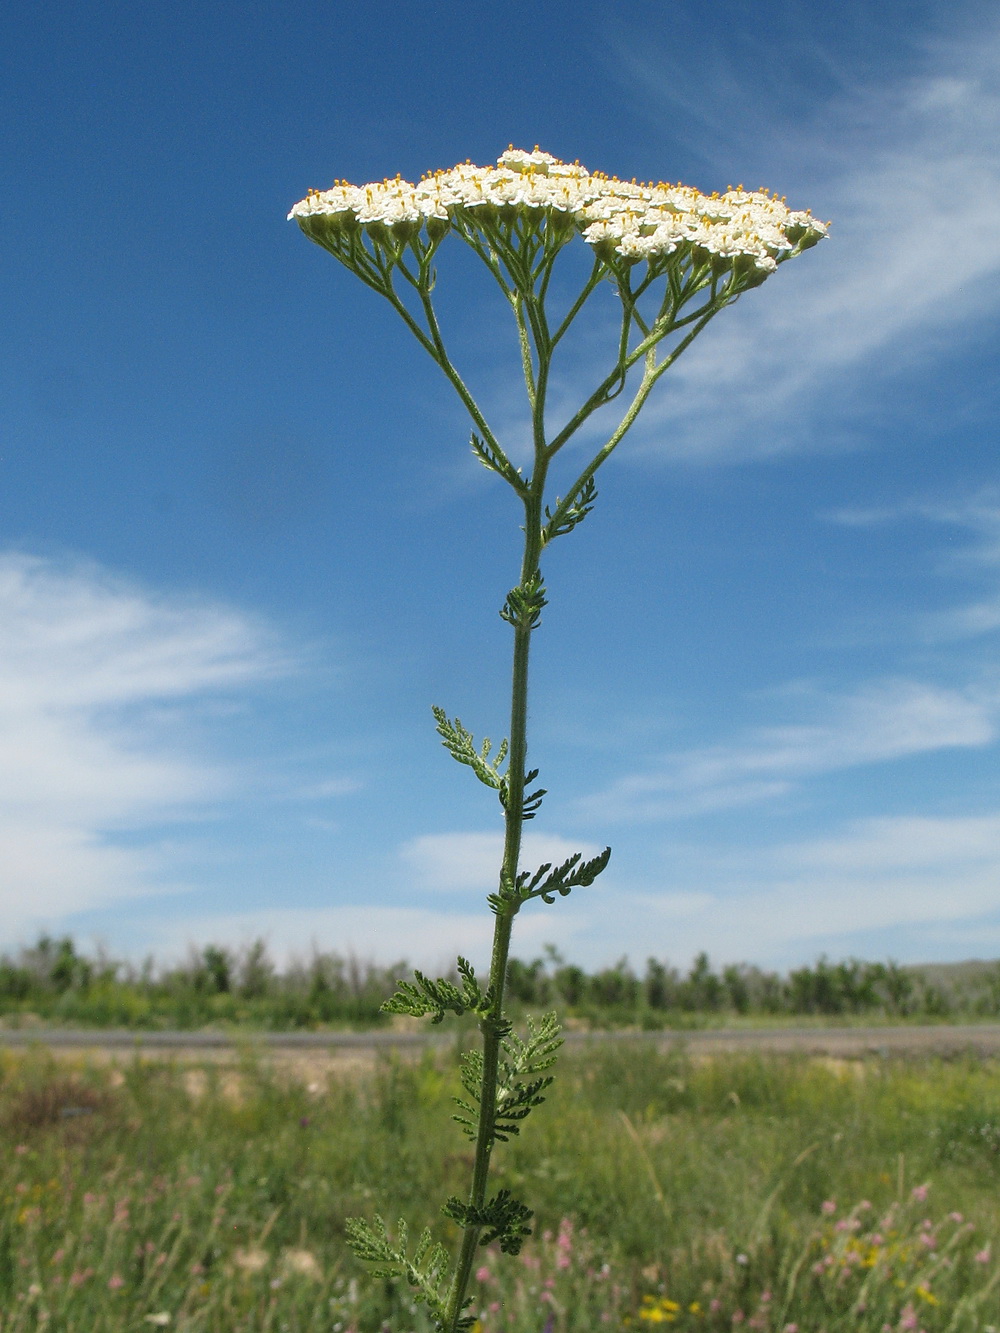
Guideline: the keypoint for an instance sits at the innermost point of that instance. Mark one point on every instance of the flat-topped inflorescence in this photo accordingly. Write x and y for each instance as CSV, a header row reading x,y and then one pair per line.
x,y
623,220
673,258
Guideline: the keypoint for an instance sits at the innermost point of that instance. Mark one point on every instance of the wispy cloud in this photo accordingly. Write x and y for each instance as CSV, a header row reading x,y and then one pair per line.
x,y
978,559
913,888
95,676
893,879
910,174
875,724
385,934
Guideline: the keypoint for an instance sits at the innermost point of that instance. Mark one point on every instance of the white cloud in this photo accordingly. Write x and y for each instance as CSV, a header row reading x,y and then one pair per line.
x,y
910,175
427,937
88,663
977,559
876,724
455,862
886,877
910,887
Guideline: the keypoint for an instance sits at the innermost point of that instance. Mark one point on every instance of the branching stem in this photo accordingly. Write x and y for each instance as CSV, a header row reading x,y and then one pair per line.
x,y
524,283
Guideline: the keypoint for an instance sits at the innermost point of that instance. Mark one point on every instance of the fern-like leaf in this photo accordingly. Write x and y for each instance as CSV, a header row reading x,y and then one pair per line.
x,y
424,996
523,607
425,1271
522,1079
493,458
574,514
502,1218
461,746
574,873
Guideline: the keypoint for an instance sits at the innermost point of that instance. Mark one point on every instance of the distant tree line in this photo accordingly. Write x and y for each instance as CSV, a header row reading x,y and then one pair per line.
x,y
825,989
52,982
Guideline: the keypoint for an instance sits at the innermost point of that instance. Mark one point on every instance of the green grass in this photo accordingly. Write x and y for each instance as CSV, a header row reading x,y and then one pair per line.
x,y
666,1191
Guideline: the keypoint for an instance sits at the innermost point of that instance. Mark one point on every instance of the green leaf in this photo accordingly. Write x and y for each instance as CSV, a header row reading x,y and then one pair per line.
x,y
493,458
530,801
425,1271
523,607
502,1218
521,1078
574,873
460,745
574,513
439,997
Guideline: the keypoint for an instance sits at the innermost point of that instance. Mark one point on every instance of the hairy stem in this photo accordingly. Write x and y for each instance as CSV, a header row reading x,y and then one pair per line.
x,y
493,1024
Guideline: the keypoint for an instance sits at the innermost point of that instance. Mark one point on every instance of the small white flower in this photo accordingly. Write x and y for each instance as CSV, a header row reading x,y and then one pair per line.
x,y
634,220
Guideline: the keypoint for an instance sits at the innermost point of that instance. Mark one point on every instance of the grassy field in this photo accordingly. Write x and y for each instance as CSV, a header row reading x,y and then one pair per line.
x,y
767,1194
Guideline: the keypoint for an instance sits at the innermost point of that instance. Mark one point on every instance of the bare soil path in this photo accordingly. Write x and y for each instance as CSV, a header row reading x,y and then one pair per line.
x,y
361,1048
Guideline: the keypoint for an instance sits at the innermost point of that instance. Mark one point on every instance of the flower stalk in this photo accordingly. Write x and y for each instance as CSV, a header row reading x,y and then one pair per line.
x,y
674,258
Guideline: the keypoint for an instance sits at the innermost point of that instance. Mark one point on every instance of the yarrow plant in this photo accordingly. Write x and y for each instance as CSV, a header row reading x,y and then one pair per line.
x,y
673,258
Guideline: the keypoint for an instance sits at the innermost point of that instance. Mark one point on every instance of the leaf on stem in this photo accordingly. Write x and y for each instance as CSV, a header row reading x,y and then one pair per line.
x,y
574,513
503,1218
425,1271
523,607
438,997
460,745
574,873
493,458
521,1078
531,802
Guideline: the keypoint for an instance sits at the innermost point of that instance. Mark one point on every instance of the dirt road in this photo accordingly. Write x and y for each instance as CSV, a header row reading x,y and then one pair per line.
x,y
359,1048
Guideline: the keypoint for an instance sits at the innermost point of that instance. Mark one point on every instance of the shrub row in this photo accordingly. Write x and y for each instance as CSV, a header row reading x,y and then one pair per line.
x,y
54,982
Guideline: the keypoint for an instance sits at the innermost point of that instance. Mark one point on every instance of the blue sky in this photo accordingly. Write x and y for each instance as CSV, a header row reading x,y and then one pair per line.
x,y
244,547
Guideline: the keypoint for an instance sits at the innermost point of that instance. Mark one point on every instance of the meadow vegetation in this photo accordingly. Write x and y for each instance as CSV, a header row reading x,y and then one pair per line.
x,y
55,983
789,1195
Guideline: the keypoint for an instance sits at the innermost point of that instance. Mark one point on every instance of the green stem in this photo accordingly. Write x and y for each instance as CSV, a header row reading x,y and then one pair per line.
x,y
493,1025
651,374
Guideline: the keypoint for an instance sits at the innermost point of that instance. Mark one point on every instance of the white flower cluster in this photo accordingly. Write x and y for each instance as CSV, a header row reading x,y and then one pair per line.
x,y
635,221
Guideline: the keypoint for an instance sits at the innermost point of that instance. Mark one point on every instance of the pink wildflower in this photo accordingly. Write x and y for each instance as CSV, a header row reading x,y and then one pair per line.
x,y
908,1319
919,1192
483,1274
21,1149
115,1282
828,1206
983,1256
